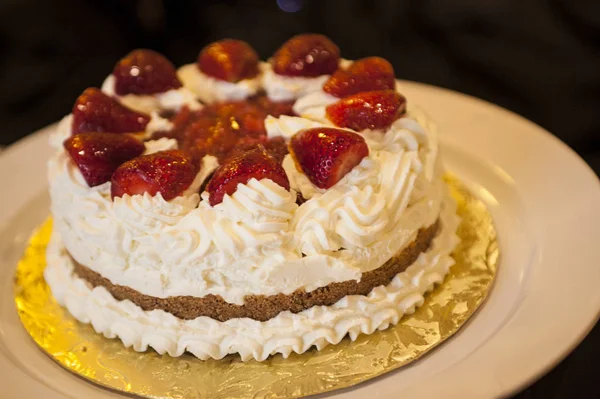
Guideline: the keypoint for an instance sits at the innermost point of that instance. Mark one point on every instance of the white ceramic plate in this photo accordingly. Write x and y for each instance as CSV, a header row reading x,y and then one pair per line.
x,y
546,205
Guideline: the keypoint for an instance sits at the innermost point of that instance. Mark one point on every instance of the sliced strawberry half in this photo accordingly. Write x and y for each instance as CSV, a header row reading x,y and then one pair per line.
x,y
98,155
229,60
144,72
94,111
242,166
368,110
326,155
306,55
367,74
167,172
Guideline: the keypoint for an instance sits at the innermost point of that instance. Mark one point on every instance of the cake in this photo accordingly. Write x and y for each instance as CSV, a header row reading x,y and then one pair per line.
x,y
234,206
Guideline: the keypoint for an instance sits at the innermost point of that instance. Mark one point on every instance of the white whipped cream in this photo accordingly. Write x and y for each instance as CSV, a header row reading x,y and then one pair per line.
x,y
286,88
257,241
162,144
207,338
169,100
312,106
211,90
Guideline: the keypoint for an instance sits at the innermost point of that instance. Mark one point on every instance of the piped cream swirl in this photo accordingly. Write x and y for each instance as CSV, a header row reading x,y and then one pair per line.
x,y
211,90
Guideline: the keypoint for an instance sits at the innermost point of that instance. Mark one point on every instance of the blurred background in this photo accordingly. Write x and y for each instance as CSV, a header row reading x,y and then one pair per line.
x,y
540,59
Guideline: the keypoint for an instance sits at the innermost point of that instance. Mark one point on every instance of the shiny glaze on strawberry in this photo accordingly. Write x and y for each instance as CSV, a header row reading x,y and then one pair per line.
x,y
368,110
167,172
306,55
94,111
229,60
367,74
144,72
98,155
325,155
218,128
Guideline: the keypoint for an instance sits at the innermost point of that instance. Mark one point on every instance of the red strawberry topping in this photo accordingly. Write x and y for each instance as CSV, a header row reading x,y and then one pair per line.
x,y
242,166
326,155
368,110
230,60
97,155
367,74
94,111
218,128
167,172
306,55
145,72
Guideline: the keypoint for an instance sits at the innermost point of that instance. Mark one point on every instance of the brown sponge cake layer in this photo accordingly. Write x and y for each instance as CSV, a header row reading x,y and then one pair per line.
x,y
263,307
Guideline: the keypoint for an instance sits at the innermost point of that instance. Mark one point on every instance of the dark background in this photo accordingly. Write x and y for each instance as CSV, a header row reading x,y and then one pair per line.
x,y
540,59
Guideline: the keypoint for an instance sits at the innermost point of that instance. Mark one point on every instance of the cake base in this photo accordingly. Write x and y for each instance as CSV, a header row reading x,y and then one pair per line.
x,y
78,348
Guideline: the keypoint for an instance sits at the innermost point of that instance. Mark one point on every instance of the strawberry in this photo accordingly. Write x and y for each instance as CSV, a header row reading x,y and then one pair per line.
x,y
97,155
218,128
242,166
326,155
229,60
247,118
367,74
168,172
144,72
306,55
368,110
94,111
209,135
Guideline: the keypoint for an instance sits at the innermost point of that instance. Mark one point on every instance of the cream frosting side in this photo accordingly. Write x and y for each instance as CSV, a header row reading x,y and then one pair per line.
x,y
171,100
257,241
210,90
207,338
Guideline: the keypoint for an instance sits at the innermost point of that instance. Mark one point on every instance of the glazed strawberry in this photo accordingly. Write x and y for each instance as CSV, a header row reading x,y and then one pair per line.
x,y
167,172
274,108
94,111
368,110
367,74
326,155
243,116
144,72
240,168
230,60
209,135
306,55
97,155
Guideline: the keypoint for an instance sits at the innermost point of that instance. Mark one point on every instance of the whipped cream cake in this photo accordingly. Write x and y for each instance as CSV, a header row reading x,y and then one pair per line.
x,y
239,206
